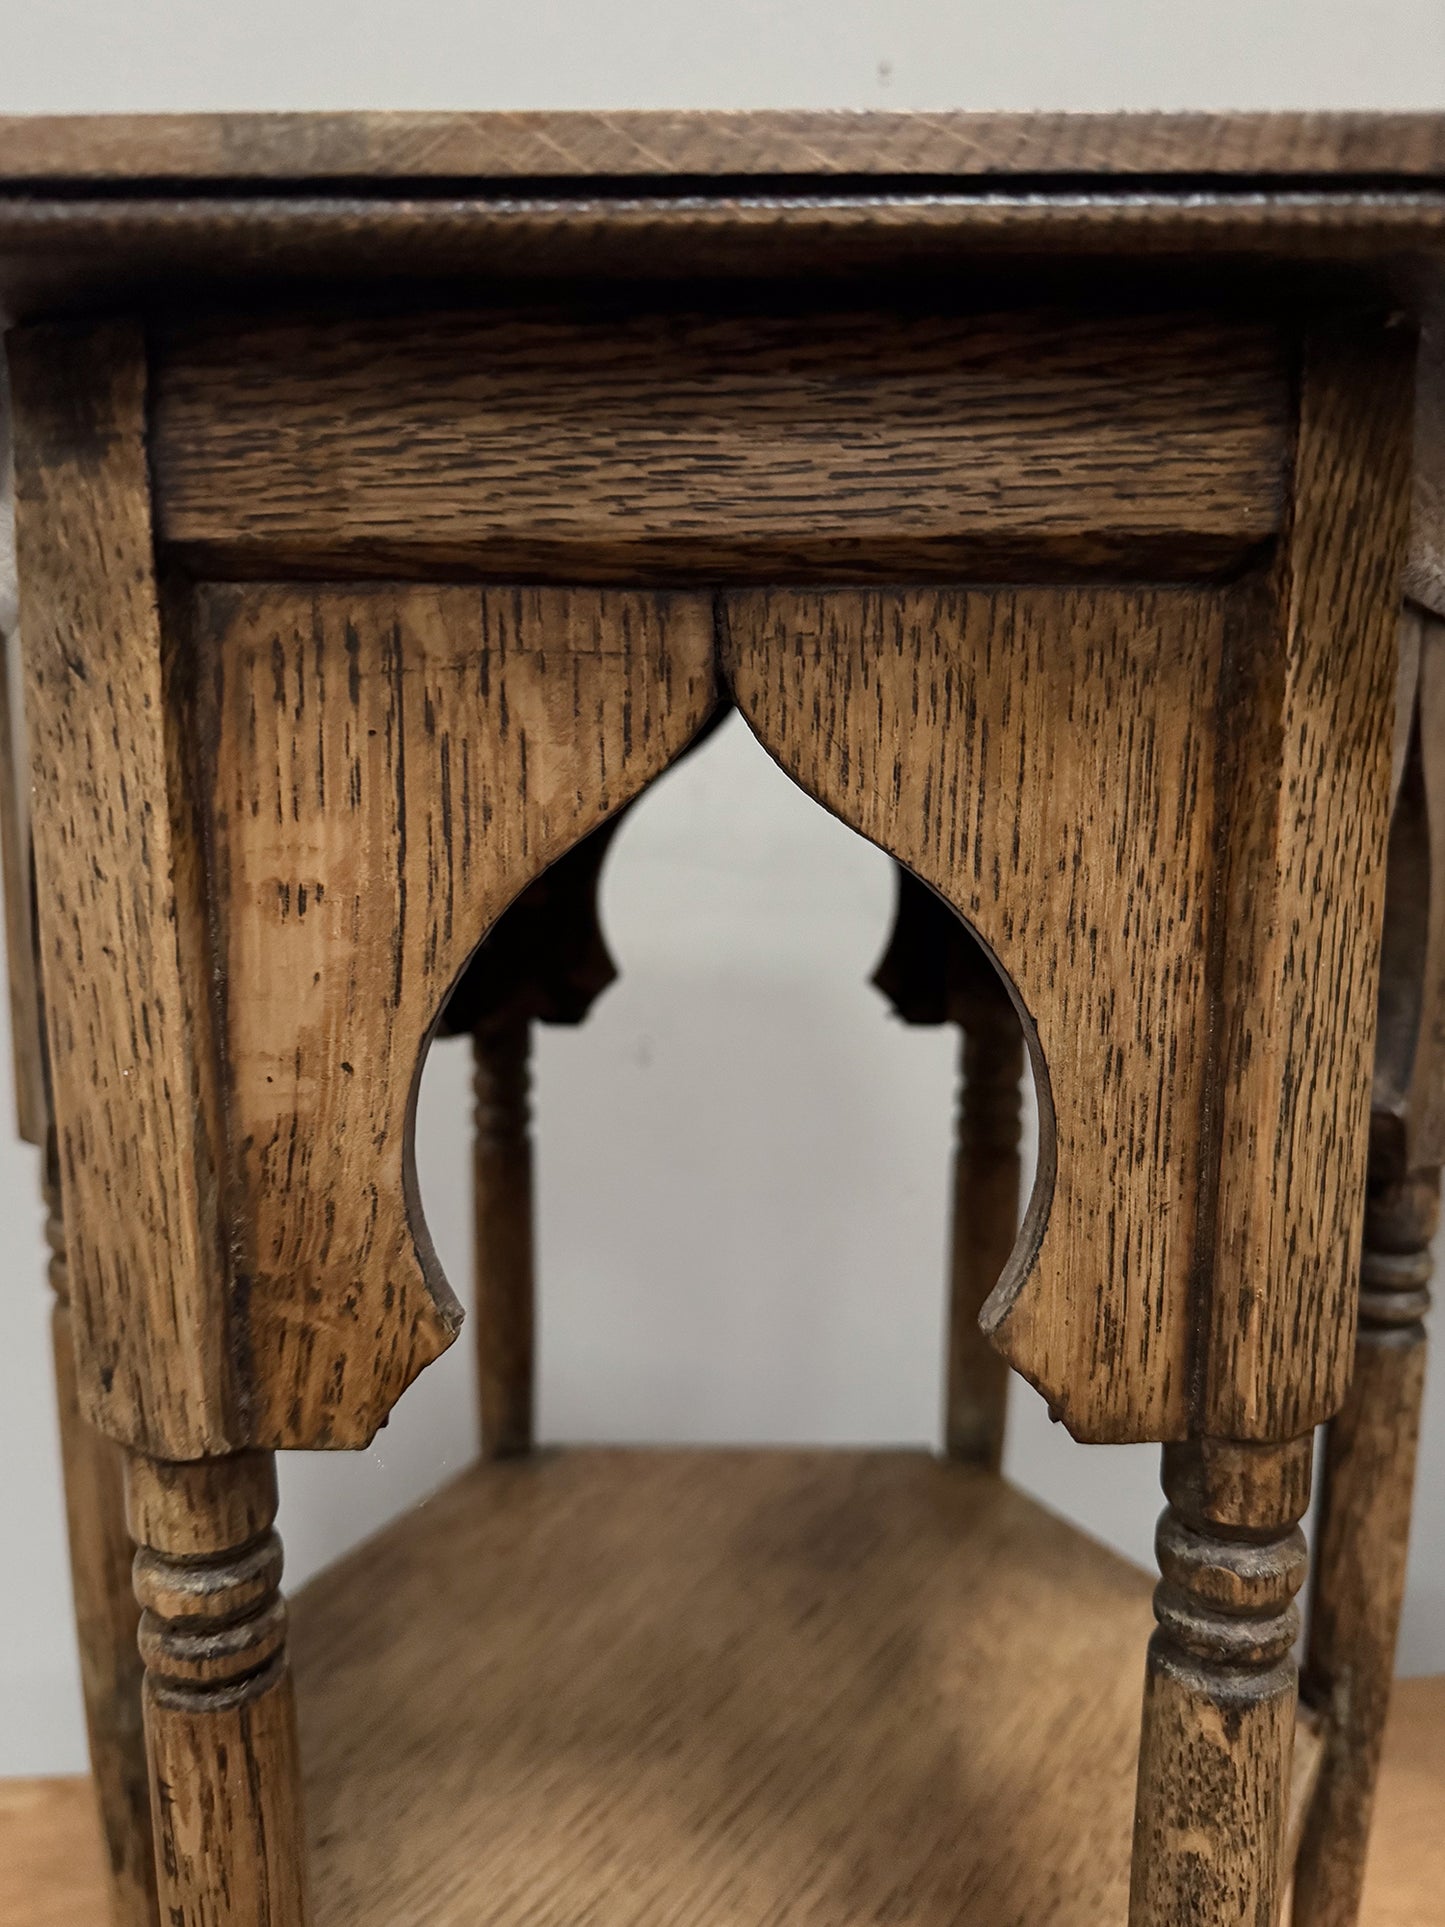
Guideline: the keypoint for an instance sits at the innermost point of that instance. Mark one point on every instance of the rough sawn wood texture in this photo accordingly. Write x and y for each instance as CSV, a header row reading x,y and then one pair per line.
x,y
904,712
597,442
381,773
130,1050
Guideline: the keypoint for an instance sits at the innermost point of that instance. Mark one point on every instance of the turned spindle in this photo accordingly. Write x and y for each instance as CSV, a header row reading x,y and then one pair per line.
x,y
986,1174
219,1710
106,1614
933,971
1220,1693
1367,1490
505,1262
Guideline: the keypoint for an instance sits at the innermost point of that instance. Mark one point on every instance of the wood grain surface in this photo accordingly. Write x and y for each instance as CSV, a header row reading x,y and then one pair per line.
x,y
381,773
21,972
66,253
751,1687
932,972
1306,749
721,1686
51,1857
1363,1527
219,1707
504,1232
1425,573
453,147
1407,1105
126,1009
1189,792
1045,760
600,444
1363,1541
48,1849
1216,1758
107,1616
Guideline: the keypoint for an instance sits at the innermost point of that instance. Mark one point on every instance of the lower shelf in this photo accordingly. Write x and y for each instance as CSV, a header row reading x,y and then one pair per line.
x,y
723,1689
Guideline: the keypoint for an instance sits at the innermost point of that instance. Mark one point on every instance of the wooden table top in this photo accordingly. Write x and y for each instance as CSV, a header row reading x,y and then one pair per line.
x,y
104,208
188,149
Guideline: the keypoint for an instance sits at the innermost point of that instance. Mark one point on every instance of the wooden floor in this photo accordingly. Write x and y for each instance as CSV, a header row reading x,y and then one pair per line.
x,y
813,1668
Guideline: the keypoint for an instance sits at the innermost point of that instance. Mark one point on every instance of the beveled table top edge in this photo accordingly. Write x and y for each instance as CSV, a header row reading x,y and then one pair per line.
x,y
192,150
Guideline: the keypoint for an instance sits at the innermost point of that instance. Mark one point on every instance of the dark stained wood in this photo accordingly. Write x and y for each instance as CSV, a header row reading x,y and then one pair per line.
x,y
546,956
429,753
67,254
126,1010
984,1227
547,960
1407,1110
457,147
219,1707
106,1616
31,1113
1364,1537
118,207
1425,571
1216,1757
933,972
1369,1469
505,1246
600,445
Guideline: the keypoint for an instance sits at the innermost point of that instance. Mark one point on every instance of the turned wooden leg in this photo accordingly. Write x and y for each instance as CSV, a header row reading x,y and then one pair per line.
x,y
1220,1694
1363,1538
502,1197
985,1226
219,1712
106,1614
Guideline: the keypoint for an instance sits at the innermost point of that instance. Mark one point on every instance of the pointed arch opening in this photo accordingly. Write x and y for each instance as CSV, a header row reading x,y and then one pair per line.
x,y
743,1174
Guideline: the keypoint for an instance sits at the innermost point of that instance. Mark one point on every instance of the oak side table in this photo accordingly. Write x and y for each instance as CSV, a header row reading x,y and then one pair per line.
x,y
1061,502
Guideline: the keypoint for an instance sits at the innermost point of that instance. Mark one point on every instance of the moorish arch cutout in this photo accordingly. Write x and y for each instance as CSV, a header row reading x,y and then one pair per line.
x,y
424,754
1070,763
385,771
546,960
964,732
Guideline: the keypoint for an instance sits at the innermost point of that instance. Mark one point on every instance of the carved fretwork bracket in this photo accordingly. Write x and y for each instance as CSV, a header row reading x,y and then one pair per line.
x,y
436,751
1407,1122
934,972
546,960
1363,1530
1146,760
1107,784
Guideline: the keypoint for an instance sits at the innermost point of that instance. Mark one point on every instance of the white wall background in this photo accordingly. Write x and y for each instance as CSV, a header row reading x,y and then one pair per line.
x,y
742,1159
